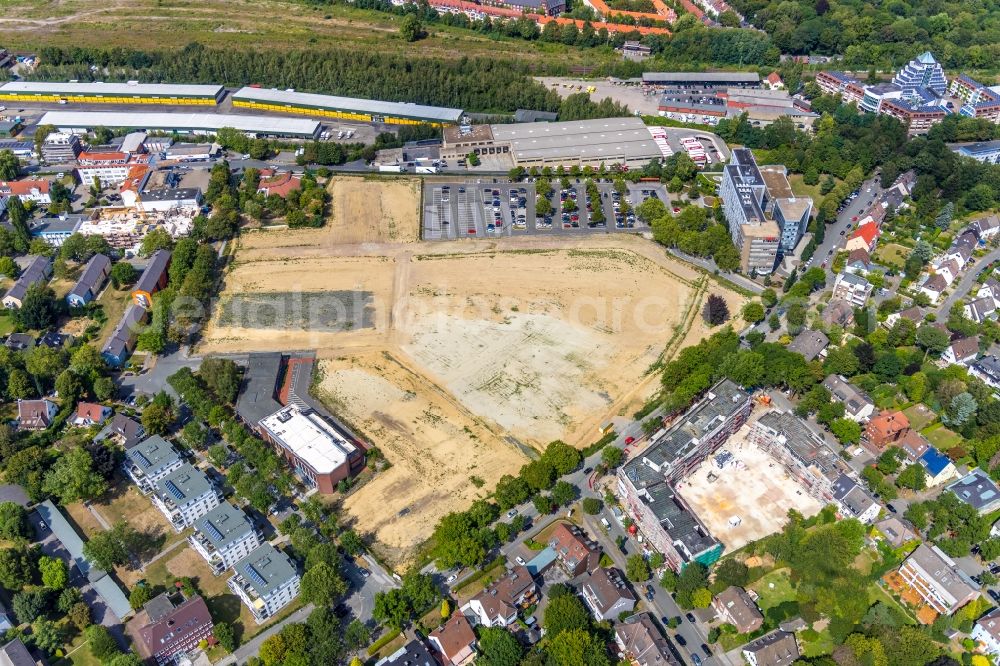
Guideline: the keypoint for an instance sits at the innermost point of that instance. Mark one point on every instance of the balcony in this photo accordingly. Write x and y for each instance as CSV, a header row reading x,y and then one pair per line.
x,y
139,478
211,554
253,601
172,512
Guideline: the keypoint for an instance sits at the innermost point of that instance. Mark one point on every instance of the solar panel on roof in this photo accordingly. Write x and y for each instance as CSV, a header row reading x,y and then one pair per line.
x,y
254,576
213,531
174,490
141,459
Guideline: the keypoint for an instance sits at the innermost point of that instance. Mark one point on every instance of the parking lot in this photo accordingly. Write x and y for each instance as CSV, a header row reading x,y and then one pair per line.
x,y
475,210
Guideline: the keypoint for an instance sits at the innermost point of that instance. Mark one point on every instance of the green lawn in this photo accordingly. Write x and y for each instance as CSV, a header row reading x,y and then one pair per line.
x,y
892,253
821,644
78,654
6,324
920,416
801,189
942,438
877,593
774,589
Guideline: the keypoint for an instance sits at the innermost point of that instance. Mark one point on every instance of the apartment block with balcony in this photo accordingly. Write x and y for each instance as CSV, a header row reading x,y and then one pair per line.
x,y
149,461
224,536
184,496
266,581
938,581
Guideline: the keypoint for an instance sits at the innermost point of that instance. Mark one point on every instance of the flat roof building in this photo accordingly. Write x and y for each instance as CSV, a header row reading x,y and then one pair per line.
x,y
185,123
938,580
349,108
185,495
580,142
149,461
224,536
702,79
319,453
111,93
266,581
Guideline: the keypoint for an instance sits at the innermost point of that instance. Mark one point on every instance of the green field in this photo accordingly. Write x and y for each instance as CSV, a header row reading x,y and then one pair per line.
x,y
919,416
255,24
942,438
893,254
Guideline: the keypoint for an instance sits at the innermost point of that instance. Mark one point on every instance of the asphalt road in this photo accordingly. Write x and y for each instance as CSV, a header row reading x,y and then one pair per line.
x,y
967,282
837,233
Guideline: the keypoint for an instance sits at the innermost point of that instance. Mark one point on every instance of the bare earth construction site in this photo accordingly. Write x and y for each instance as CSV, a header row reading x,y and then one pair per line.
x,y
456,359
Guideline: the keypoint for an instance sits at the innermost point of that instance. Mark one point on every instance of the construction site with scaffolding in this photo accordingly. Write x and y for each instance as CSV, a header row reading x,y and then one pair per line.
x,y
124,228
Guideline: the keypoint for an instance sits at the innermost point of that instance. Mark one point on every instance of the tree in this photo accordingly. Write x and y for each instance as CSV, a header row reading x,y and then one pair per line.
x,y
139,596
563,493
563,457
126,659
846,430
498,647
565,613
576,648
701,598
14,521
716,311
510,491
538,474
913,477
933,339
357,635
39,307
79,615
420,591
157,239
112,547
223,632
30,605
732,572
54,573
753,312
612,456
391,608
123,274
16,569
322,585
156,419
10,166
47,635
102,643
222,377
410,28
8,268
72,478
637,569
351,542
592,505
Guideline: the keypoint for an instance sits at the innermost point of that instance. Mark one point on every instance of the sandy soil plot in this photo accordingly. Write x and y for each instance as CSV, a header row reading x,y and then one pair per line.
x,y
435,447
760,495
370,211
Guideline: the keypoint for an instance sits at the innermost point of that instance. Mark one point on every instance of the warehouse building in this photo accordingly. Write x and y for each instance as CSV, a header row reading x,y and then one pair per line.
x,y
607,141
702,80
183,123
132,92
346,108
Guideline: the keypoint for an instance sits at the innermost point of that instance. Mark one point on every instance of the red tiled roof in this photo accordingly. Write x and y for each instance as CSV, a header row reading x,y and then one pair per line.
x,y
610,27
454,636
89,410
868,232
20,188
103,157
133,178
463,6
280,184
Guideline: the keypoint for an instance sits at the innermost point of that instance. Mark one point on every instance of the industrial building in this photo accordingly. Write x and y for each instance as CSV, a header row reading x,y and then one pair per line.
x,y
345,108
702,80
183,123
646,483
132,92
607,141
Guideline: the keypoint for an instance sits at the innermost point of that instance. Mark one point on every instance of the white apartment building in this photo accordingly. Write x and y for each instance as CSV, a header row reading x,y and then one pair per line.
x,y
987,632
852,288
266,581
149,461
184,496
224,536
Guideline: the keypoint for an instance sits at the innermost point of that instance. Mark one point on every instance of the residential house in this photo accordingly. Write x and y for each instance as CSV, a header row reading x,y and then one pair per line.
x,y
413,653
575,550
962,351
809,343
606,594
55,230
986,632
913,444
223,537
54,340
454,641
91,280
641,643
153,278
990,289
29,189
119,346
853,501
774,81
185,495
938,468
977,490
859,262
949,270
987,369
38,271
857,405
266,581
149,461
496,606
19,341
986,228
172,629
934,286
914,314
865,237
980,309
885,429
278,184
91,413
777,648
852,288
734,606
896,531
838,312
123,431
939,582
15,653
36,414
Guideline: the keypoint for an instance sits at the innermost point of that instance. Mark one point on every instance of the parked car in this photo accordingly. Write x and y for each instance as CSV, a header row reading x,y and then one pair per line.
x,y
629,440
707,650
588,470
519,560
680,639
695,659
690,618
451,578
512,513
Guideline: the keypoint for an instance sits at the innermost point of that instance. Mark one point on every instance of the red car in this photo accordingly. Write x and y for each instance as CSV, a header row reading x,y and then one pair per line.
x,y
574,217
854,219
629,440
